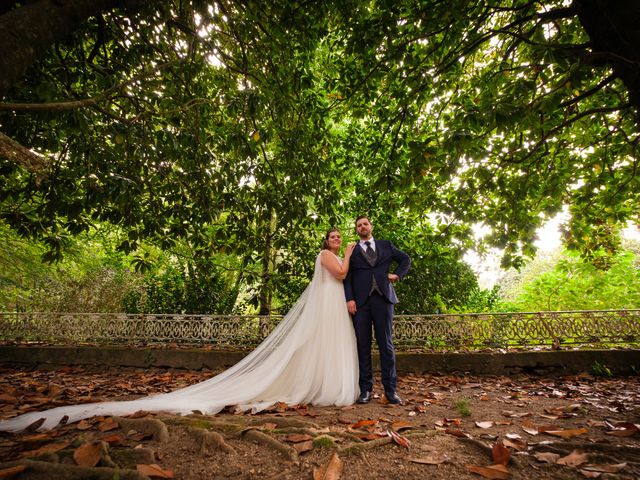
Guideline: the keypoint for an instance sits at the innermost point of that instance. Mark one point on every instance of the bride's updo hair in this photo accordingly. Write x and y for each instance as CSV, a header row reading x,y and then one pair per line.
x,y
325,242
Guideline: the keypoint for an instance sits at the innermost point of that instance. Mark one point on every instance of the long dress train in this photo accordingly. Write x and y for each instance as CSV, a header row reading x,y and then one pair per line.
x,y
310,357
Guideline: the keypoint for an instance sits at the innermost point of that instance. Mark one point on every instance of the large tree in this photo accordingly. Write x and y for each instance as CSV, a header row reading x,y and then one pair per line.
x,y
243,125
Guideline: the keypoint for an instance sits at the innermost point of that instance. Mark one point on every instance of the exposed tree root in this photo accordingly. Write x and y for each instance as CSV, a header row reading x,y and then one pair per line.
x,y
205,424
66,456
487,450
37,470
282,422
269,441
568,447
130,457
207,439
360,446
356,448
598,452
150,426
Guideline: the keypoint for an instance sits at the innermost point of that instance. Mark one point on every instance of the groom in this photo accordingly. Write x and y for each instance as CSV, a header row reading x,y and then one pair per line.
x,y
370,299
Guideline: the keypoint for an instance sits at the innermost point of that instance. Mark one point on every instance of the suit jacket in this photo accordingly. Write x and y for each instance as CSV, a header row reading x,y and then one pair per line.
x,y
357,285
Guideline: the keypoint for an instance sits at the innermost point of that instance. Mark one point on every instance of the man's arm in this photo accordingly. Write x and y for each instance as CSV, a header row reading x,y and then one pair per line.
x,y
348,286
348,293
404,261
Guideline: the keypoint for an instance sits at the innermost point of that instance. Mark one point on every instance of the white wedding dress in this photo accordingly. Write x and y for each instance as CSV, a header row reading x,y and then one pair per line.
x,y
310,357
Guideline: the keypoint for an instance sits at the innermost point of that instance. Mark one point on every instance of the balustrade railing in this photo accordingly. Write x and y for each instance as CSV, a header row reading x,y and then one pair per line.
x,y
433,332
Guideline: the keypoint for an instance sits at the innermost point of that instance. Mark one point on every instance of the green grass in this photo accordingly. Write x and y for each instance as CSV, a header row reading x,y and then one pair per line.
x,y
463,406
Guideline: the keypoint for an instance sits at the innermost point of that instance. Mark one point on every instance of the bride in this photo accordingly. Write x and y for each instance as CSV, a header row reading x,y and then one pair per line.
x,y
310,357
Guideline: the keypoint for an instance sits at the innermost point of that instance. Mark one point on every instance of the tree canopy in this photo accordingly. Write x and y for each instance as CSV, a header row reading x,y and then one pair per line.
x,y
248,126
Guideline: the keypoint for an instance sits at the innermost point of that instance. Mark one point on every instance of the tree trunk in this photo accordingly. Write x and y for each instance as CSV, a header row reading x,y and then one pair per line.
x,y
268,260
614,30
265,295
28,31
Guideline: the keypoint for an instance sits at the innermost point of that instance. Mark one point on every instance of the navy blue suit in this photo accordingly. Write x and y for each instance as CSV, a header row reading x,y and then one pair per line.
x,y
375,308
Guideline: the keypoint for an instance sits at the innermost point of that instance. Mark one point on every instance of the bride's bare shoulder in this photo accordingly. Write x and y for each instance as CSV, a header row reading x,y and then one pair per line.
x,y
327,256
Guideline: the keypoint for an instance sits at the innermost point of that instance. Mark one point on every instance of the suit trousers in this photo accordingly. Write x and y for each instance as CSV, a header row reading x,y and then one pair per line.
x,y
376,312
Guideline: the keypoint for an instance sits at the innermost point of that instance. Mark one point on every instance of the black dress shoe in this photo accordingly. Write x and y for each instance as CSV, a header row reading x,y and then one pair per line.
x,y
364,397
394,399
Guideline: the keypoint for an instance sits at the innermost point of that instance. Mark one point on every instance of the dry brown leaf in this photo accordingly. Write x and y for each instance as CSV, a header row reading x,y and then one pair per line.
x,y
575,458
613,468
548,457
332,470
297,437
401,425
435,458
139,436
109,423
572,408
454,421
88,455
548,428
624,430
364,423
568,433
84,425
516,444
549,417
588,474
302,447
114,439
500,454
54,391
49,448
512,414
492,472
399,439
154,470
529,427
37,437
9,399
484,424
12,471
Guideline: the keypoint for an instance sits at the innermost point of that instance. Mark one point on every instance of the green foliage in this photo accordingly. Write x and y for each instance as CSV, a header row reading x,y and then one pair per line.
x,y
601,370
89,279
172,290
577,284
243,130
485,300
272,118
463,406
437,283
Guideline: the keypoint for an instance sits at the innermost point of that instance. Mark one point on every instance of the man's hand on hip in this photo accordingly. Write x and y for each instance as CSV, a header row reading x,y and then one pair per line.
x,y
393,278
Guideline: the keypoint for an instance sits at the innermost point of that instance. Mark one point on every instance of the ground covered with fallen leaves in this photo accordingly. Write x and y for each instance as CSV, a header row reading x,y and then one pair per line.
x,y
452,426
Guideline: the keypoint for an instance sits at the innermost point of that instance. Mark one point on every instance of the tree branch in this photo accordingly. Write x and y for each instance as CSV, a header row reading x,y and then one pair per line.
x,y
17,153
568,122
590,92
86,102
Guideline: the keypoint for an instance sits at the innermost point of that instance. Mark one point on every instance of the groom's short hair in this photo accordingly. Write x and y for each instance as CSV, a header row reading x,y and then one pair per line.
x,y
360,217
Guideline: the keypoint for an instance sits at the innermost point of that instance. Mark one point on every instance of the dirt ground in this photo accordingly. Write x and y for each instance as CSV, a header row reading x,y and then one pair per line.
x,y
459,427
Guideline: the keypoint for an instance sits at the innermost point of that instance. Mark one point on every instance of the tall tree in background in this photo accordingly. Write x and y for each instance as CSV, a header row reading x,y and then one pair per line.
x,y
247,126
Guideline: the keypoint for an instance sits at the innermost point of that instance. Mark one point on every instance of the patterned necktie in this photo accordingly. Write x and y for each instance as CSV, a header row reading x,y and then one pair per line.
x,y
370,253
